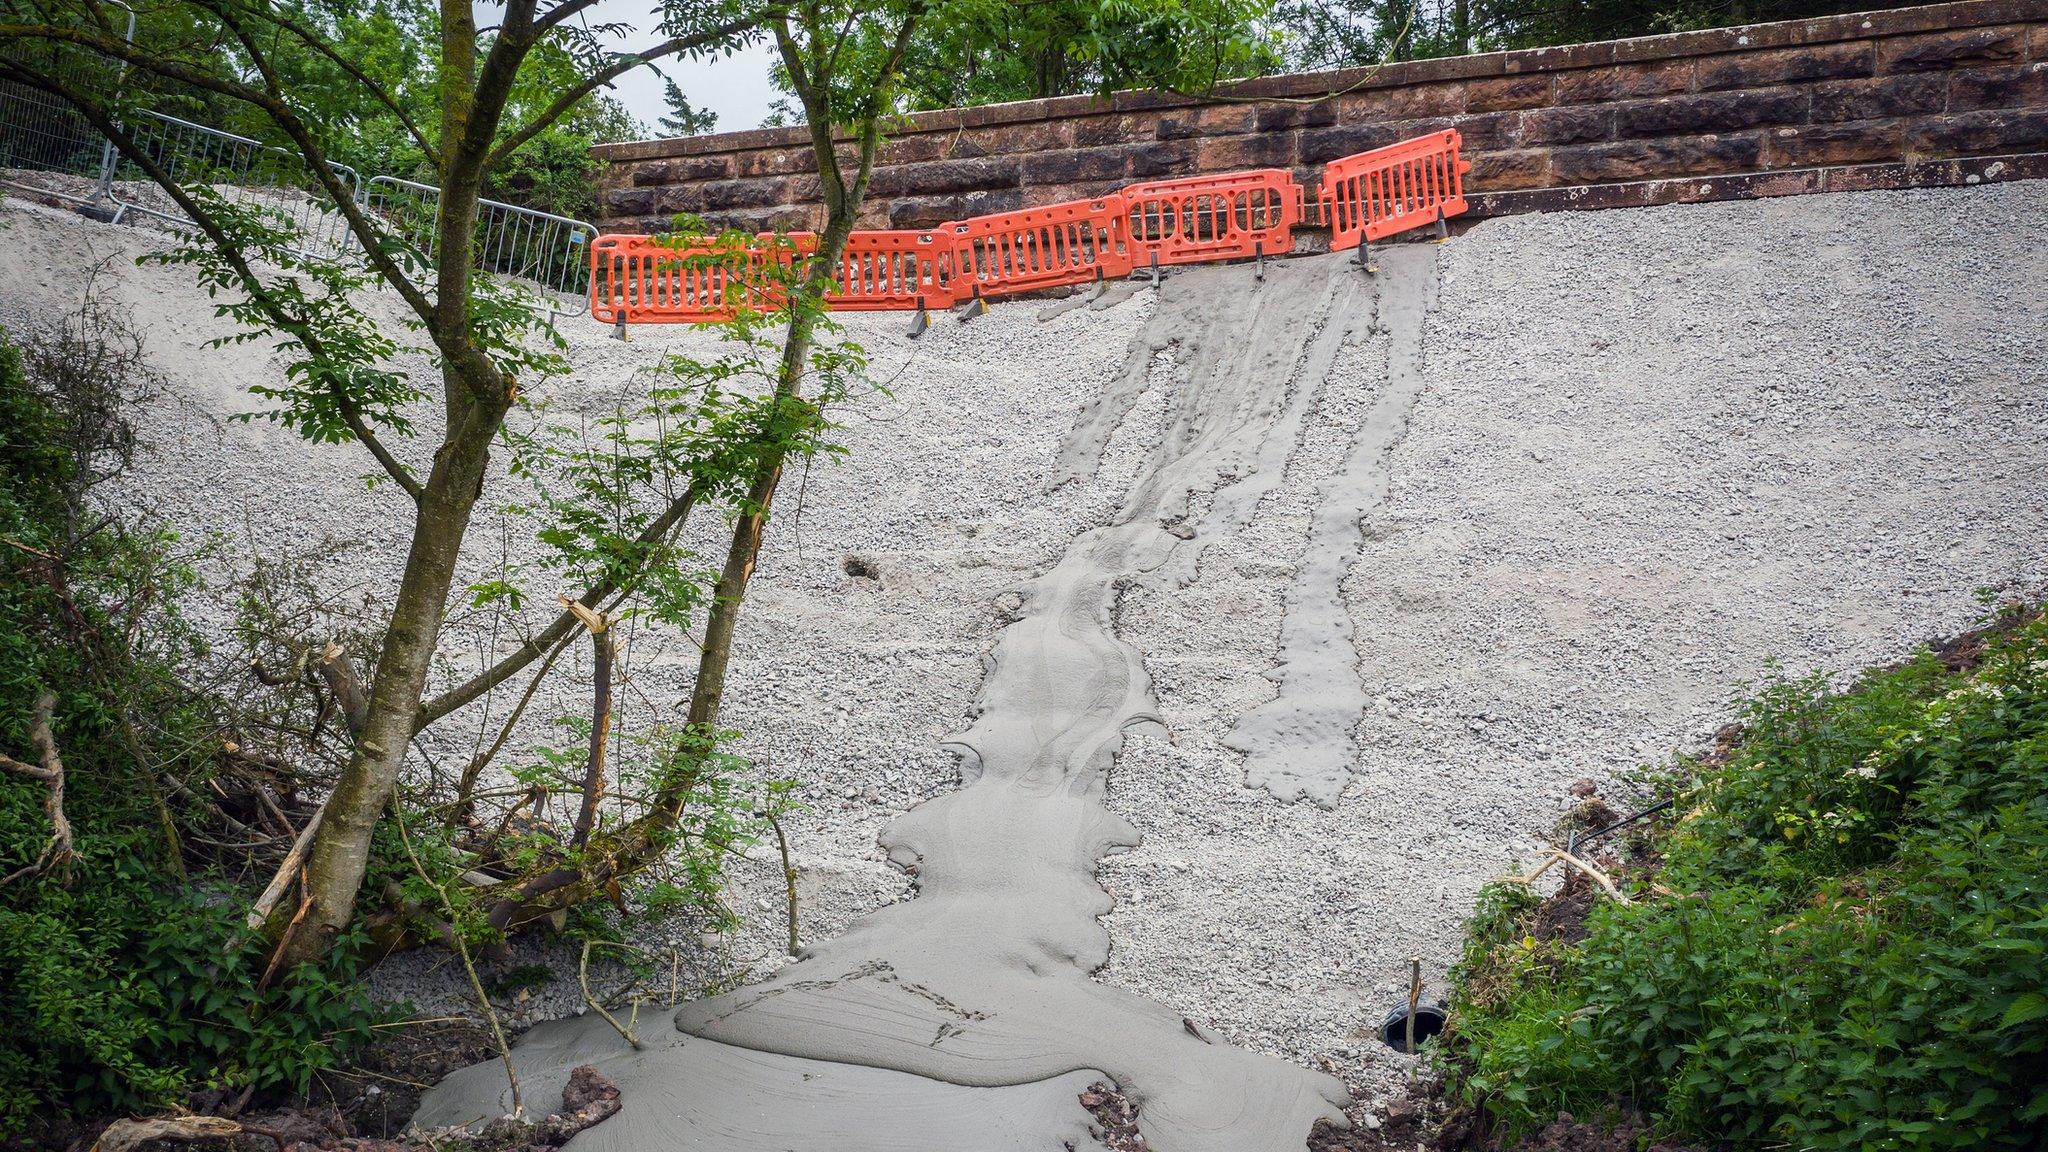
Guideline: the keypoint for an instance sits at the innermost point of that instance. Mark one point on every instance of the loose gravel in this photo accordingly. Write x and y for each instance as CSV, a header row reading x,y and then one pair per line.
x,y
1653,451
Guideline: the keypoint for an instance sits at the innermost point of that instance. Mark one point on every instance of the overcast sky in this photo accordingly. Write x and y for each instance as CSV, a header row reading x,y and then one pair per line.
x,y
736,87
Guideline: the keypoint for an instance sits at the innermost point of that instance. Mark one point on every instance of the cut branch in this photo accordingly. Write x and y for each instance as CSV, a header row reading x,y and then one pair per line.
x,y
665,525
602,654
57,855
339,674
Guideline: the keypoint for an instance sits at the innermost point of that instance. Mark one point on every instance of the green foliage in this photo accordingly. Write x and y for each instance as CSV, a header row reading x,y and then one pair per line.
x,y
599,488
337,376
1858,959
397,44
127,987
1353,33
988,51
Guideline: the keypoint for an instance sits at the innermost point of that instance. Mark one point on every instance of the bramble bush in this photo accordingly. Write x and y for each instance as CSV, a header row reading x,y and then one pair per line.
x,y
1855,957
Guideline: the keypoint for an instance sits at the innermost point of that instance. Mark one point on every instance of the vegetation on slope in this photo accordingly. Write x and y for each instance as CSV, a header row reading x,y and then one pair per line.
x,y
1839,943
131,979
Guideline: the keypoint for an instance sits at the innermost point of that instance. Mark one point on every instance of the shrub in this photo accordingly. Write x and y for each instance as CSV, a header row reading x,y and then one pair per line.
x,y
132,985
1856,958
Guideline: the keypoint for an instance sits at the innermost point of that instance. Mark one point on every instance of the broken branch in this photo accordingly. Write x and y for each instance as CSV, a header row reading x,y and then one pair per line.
x,y
57,855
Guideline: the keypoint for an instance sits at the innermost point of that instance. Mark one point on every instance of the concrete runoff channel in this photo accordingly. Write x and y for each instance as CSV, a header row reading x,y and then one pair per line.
x,y
966,1017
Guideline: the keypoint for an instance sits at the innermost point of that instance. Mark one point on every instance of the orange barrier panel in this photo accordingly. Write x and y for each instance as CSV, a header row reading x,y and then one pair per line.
x,y
1392,189
1033,248
1222,217
643,280
893,270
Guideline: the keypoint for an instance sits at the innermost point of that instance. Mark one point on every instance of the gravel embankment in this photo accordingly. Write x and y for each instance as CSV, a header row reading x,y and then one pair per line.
x,y
1654,450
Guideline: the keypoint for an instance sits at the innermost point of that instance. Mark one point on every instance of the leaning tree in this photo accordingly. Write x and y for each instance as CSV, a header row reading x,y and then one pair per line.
x,y
721,445
342,381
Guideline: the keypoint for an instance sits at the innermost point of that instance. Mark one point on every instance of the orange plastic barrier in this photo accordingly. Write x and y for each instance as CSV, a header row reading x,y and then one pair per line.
x,y
1392,189
1033,248
894,270
641,279
1223,217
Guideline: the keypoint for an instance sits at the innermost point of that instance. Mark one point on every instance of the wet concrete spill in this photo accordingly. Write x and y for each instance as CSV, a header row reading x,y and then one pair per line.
x,y
965,1018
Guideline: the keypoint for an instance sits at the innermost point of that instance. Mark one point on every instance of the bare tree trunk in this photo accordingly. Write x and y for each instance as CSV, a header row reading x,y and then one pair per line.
x,y
341,850
601,653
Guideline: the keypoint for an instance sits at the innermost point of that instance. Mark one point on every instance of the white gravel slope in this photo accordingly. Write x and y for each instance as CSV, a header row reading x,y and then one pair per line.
x,y
1655,448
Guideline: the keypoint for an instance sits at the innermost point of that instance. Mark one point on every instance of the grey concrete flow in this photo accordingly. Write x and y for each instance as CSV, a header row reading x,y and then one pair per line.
x,y
983,979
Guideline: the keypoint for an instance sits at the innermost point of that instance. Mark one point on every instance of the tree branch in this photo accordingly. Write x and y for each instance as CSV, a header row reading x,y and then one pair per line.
x,y
663,526
603,76
351,414
320,45
57,855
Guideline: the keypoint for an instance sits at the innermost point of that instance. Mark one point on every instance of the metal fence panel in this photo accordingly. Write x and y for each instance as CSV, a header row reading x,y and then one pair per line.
x,y
278,182
47,148
549,250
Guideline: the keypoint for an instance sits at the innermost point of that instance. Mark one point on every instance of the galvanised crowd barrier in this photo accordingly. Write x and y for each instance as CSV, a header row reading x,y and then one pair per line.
x,y
1228,216
276,181
42,137
48,149
549,250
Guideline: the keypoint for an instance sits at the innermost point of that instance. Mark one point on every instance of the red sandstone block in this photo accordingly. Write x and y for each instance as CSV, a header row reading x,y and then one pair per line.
x,y
1414,101
1624,81
931,211
773,162
1225,153
707,196
1979,134
1785,66
1968,47
1215,120
2037,43
1652,159
1574,124
945,176
1505,93
1042,136
2025,87
629,201
1165,159
1716,112
917,149
1287,117
1849,142
1098,130
1491,131
1881,97
1322,145
1073,166
1521,168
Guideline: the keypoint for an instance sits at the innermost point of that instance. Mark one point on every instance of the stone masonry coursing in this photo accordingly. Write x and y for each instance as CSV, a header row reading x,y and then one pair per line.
x,y
1936,95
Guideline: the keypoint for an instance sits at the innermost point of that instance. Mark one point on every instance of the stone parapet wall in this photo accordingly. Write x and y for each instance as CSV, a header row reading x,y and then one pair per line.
x,y
1942,94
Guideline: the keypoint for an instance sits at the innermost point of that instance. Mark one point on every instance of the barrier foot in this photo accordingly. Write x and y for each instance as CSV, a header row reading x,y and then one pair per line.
x,y
619,329
973,308
1259,261
1155,268
1443,230
1365,263
920,322
1101,287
